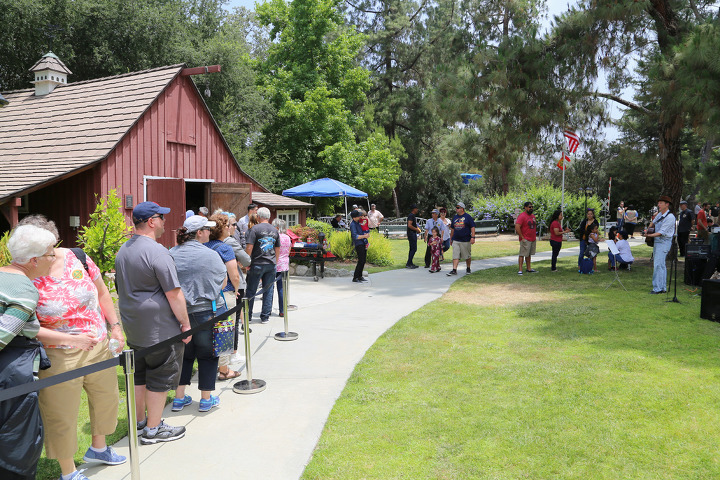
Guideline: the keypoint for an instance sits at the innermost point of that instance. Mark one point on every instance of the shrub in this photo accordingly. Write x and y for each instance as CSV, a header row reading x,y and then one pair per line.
x,y
306,234
326,228
104,234
545,198
4,252
341,245
380,251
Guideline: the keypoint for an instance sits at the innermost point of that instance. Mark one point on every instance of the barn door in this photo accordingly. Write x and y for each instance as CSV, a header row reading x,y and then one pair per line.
x,y
168,192
231,197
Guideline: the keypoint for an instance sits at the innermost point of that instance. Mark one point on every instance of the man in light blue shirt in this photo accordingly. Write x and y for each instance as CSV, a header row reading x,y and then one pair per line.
x,y
664,223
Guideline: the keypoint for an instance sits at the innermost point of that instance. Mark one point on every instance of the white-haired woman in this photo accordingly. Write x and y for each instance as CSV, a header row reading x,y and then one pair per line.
x,y
74,307
283,261
21,355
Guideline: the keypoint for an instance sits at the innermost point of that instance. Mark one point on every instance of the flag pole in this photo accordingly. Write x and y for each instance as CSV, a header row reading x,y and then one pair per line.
x,y
562,198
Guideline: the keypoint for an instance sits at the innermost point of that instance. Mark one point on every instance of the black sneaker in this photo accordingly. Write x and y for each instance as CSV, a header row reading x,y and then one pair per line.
x,y
451,272
265,320
467,270
362,280
164,433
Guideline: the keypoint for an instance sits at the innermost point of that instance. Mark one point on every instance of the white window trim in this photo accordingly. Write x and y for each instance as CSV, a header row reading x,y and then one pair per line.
x,y
288,213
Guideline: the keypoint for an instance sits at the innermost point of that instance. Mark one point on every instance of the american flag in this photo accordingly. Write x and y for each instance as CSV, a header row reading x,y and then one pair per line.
x,y
561,164
572,139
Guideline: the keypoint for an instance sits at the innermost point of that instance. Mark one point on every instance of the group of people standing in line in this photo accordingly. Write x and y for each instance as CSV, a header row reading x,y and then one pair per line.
x,y
57,315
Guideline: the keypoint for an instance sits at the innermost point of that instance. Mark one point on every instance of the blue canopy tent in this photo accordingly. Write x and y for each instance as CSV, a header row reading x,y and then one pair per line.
x,y
466,177
326,187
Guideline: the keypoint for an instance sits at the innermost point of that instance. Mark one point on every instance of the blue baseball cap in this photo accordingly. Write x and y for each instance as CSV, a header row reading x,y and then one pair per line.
x,y
145,210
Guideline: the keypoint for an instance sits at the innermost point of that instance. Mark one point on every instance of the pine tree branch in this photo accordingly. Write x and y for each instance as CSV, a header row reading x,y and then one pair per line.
x,y
362,10
627,103
695,10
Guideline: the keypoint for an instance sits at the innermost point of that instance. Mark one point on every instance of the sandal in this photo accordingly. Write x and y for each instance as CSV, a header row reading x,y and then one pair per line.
x,y
228,375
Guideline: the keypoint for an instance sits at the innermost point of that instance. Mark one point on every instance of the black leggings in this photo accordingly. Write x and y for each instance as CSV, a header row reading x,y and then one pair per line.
x,y
362,256
555,252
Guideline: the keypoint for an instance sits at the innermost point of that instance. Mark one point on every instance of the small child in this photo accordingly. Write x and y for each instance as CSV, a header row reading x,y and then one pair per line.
x,y
436,244
365,226
594,239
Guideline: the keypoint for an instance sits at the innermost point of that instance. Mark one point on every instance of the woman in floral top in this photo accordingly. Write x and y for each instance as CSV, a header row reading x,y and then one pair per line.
x,y
74,306
283,261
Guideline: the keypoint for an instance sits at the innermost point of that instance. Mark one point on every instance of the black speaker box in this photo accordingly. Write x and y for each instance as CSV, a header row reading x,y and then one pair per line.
x,y
694,270
710,300
697,251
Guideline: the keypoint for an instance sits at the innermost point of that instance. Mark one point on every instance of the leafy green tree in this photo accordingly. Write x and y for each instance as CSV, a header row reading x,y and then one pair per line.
x,y
317,89
105,233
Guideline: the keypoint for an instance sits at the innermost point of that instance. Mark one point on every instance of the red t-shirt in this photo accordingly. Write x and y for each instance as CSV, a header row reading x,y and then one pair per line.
x,y
702,220
527,226
553,226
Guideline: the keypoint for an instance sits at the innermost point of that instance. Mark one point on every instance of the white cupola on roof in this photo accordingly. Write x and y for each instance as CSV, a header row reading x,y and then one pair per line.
x,y
49,72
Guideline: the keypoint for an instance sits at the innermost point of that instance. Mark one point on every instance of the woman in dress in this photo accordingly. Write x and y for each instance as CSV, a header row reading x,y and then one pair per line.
x,y
76,308
21,355
202,275
283,261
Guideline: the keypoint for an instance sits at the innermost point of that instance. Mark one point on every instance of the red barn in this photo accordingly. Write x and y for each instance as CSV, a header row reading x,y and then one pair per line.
x,y
149,134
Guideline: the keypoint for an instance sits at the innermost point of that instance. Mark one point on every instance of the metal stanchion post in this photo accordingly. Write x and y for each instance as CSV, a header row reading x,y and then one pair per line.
x,y
286,336
250,385
128,364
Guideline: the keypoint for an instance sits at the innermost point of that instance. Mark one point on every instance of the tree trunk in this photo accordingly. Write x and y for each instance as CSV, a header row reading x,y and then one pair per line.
x,y
395,201
670,161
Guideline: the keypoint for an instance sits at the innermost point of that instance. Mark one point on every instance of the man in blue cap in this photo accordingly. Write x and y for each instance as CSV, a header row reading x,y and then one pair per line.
x,y
152,308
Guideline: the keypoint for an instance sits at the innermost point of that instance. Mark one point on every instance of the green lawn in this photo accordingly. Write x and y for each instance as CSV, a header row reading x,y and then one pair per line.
x,y
480,250
541,376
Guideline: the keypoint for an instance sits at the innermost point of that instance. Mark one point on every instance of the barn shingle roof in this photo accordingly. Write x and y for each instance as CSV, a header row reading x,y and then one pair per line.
x,y
78,124
275,201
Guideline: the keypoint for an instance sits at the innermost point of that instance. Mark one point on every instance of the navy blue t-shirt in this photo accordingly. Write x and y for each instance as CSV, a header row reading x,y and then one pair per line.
x,y
461,225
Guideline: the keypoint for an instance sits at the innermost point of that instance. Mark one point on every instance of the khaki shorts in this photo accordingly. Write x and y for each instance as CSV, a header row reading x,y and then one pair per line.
x,y
60,403
461,250
527,248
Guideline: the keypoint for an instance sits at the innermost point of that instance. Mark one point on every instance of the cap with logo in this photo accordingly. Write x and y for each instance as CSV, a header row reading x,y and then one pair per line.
x,y
145,210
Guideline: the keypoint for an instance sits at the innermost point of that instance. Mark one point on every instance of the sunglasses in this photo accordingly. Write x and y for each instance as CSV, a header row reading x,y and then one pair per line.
x,y
233,224
159,215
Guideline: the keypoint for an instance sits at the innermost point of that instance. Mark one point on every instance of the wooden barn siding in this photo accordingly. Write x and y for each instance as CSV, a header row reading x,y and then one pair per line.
x,y
74,196
160,144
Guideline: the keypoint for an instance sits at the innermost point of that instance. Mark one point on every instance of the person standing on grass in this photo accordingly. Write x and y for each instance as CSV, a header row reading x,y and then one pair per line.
x,y
664,223
375,218
685,219
263,246
360,242
433,222
701,223
462,238
152,310
526,228
412,234
588,221
556,237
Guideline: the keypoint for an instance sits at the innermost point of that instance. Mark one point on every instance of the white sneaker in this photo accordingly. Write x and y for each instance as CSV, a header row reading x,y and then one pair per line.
x,y
236,358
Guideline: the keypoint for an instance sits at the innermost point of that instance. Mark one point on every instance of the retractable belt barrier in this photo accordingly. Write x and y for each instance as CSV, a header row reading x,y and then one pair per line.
x,y
26,388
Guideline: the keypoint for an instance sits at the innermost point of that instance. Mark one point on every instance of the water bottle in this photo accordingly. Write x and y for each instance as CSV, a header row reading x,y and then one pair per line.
x,y
114,347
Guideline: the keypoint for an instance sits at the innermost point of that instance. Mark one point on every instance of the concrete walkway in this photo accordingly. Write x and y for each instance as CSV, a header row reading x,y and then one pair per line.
x,y
271,435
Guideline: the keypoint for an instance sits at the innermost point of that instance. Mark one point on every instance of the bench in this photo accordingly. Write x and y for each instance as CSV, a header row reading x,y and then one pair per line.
x,y
487,226
397,227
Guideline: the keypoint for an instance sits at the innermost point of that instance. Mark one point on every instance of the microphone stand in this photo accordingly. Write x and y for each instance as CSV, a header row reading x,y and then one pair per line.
x,y
674,259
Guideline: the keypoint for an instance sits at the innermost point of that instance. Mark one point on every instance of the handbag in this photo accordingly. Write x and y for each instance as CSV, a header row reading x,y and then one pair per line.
x,y
223,335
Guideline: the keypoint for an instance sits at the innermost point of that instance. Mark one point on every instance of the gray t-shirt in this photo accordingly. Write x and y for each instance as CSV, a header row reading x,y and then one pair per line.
x,y
201,272
144,272
243,259
264,238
